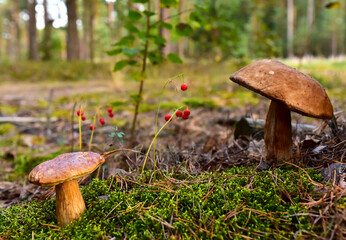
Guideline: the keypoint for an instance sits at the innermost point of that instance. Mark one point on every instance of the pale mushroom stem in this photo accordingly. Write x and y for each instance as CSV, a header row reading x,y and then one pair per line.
x,y
69,202
278,133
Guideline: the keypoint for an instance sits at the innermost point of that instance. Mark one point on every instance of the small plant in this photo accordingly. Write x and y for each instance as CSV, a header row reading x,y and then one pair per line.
x,y
140,46
92,126
117,134
168,118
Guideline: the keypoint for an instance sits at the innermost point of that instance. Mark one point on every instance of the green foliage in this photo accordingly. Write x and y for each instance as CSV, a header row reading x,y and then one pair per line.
x,y
234,203
197,102
53,71
174,58
5,128
117,134
24,163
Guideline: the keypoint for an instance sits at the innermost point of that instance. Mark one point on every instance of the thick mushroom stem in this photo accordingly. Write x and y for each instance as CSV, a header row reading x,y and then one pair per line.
x,y
278,133
69,202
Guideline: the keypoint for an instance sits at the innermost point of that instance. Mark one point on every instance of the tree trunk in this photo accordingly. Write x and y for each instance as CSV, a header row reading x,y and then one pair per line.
x,y
47,42
334,42
32,32
163,14
72,31
91,34
290,27
88,29
311,13
181,42
1,29
310,23
111,19
15,33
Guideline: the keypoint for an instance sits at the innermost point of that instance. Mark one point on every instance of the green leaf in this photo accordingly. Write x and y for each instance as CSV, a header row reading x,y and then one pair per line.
x,y
155,57
160,40
120,65
114,52
166,25
332,5
130,52
125,41
197,17
137,76
132,62
149,13
168,3
142,36
183,29
123,63
139,1
174,58
131,28
134,15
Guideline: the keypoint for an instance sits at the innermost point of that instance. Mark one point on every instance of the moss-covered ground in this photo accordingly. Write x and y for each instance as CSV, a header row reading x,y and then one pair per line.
x,y
239,203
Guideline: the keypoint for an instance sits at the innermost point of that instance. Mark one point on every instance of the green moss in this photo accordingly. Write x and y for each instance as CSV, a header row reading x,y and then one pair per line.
x,y
238,202
240,97
199,102
24,163
5,128
8,110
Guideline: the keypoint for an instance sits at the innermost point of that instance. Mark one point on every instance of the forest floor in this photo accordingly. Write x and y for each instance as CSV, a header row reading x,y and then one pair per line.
x,y
207,141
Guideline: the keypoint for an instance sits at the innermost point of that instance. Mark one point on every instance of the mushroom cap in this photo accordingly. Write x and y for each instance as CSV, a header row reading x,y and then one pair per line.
x,y
65,167
277,81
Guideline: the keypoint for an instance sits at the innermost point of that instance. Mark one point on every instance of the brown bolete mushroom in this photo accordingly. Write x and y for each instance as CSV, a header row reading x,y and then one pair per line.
x,y
63,172
288,90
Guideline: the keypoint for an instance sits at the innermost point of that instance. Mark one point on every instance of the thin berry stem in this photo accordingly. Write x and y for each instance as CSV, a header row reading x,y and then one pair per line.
x,y
92,132
80,128
154,140
158,109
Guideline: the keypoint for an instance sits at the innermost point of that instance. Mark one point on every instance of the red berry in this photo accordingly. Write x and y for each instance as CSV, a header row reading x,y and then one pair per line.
x,y
102,121
179,113
109,110
185,116
91,127
187,112
79,112
111,114
83,118
183,87
167,117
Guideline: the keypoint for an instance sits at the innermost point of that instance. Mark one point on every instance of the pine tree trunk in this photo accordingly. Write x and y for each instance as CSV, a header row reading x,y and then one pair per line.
x,y
46,42
32,32
181,42
163,32
111,19
290,27
72,31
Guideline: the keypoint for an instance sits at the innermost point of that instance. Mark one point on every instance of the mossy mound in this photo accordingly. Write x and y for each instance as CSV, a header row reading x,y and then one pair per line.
x,y
235,204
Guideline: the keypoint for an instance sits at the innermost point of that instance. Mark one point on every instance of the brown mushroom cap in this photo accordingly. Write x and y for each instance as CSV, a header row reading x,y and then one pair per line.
x,y
277,81
65,167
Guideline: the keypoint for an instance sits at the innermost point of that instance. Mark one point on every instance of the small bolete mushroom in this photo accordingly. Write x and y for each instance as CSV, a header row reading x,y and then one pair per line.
x,y
63,172
288,90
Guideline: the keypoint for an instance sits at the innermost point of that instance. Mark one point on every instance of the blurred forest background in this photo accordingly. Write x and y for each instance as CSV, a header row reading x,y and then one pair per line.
x,y
86,29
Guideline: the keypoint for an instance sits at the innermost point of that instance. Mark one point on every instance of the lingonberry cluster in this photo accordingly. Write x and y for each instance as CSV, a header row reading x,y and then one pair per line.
x,y
101,120
185,114
110,113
